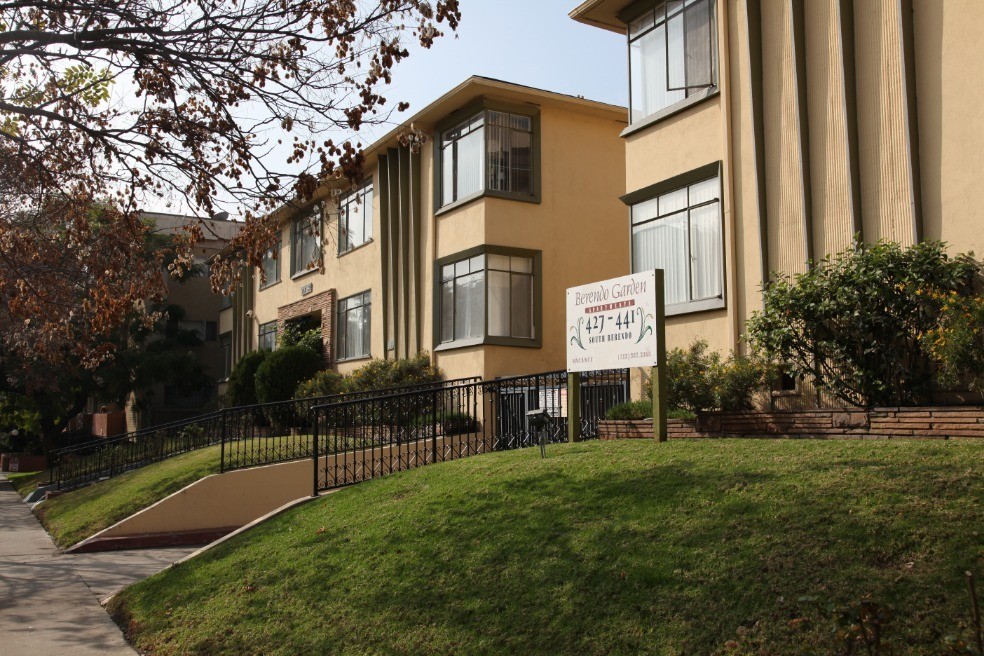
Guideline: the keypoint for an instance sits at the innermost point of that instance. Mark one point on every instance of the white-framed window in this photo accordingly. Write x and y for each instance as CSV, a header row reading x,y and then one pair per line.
x,y
268,335
271,264
354,321
488,295
680,231
492,151
305,242
355,218
672,54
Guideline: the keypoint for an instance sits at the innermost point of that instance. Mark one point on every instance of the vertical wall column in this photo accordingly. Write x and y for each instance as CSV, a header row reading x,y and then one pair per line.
x,y
400,250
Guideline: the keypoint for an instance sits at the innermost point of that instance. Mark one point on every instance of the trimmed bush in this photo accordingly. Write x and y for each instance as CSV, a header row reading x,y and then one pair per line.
x,y
378,374
632,410
855,323
242,380
279,375
698,380
324,383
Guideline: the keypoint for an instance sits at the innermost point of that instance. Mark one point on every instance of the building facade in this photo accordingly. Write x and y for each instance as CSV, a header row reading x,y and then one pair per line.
x,y
461,243
766,134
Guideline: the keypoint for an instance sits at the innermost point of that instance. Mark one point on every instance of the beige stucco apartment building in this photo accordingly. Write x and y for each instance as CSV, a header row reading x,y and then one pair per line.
x,y
461,245
764,134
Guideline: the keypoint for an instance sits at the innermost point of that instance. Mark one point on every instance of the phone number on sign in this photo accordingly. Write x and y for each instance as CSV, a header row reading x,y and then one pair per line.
x,y
635,354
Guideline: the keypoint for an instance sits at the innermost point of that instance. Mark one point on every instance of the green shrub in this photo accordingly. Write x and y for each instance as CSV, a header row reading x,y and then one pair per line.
x,y
379,374
739,378
283,370
855,323
451,423
956,343
294,334
698,380
631,410
324,383
691,375
242,381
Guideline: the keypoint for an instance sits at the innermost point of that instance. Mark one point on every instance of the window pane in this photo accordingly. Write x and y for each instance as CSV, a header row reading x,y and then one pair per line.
x,y
499,310
522,264
650,92
673,202
675,53
447,175
500,262
469,306
356,225
641,24
469,162
477,263
447,272
447,311
645,210
461,268
705,245
367,213
704,191
697,23
521,306
662,244
521,163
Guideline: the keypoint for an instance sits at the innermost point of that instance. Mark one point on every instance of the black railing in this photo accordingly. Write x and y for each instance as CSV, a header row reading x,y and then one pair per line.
x,y
269,433
355,440
91,461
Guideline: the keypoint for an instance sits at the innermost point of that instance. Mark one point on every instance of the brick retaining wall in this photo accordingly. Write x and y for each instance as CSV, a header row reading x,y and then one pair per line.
x,y
920,422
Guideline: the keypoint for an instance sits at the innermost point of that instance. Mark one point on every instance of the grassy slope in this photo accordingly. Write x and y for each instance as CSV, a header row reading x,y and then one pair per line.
x,y
76,515
604,548
25,482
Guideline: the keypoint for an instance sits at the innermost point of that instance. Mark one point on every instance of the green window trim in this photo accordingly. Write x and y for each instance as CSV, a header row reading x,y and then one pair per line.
x,y
485,109
485,338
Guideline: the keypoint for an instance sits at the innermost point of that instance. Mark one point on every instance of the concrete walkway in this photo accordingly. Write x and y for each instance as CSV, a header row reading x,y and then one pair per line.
x,y
49,601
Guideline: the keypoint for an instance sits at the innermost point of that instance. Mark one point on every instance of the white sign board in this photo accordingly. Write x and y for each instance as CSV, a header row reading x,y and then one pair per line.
x,y
611,324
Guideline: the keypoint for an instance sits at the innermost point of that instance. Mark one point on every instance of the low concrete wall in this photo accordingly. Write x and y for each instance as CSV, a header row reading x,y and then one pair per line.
x,y
918,422
221,503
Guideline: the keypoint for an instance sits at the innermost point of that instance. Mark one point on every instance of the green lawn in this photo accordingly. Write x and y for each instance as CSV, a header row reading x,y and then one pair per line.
x,y
25,482
690,547
78,514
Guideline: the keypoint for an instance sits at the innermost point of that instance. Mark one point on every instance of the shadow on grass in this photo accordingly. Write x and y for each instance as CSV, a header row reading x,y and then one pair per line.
x,y
587,558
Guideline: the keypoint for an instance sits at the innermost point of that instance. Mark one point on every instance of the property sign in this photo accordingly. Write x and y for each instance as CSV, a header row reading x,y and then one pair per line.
x,y
611,324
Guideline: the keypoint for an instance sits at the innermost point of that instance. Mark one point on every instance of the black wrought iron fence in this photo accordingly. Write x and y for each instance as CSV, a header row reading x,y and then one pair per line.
x,y
91,461
355,440
269,433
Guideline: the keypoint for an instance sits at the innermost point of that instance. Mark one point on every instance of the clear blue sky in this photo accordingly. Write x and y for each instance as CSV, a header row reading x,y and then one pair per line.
x,y
531,42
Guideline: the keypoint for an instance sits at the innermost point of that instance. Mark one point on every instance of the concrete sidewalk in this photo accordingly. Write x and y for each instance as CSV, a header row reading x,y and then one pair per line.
x,y
49,601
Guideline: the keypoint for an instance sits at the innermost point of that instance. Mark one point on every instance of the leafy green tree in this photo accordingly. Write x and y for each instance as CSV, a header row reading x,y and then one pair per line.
x,y
241,389
281,372
855,323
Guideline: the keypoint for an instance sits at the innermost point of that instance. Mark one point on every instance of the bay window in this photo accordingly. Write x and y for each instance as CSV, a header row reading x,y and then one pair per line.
x,y
491,152
355,218
488,295
354,327
672,55
679,230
